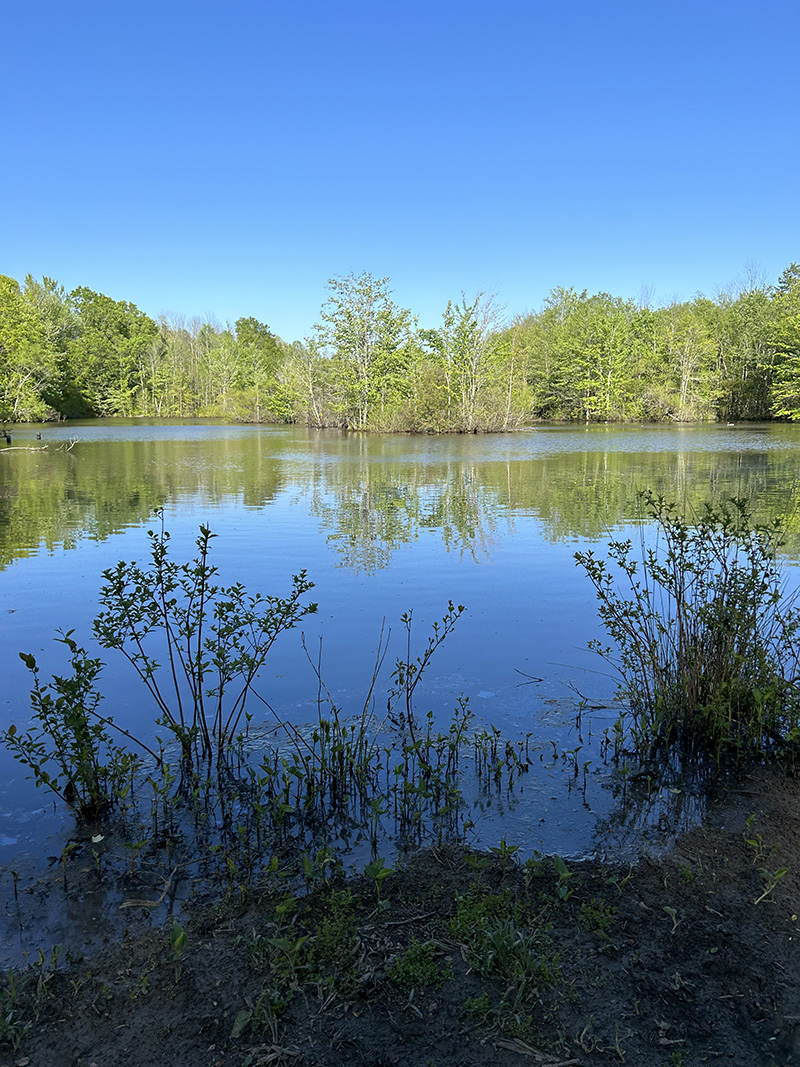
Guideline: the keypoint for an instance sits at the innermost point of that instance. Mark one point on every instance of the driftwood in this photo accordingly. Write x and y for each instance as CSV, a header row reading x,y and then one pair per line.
x,y
63,447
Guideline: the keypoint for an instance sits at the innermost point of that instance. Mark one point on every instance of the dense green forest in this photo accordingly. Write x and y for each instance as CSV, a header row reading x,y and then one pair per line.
x,y
370,365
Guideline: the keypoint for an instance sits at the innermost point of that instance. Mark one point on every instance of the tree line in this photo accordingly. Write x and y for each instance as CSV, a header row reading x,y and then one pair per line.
x,y
369,365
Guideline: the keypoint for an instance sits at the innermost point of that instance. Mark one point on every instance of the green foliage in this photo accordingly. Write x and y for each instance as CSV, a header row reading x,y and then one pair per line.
x,y
377,871
197,648
476,909
26,364
213,641
69,750
597,916
24,999
521,961
582,356
509,945
771,879
177,940
418,967
335,939
564,886
761,853
785,337
469,354
505,853
705,640
13,1024
109,355
365,335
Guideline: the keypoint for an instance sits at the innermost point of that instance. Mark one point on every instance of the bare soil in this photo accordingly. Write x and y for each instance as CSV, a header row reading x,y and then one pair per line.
x,y
467,959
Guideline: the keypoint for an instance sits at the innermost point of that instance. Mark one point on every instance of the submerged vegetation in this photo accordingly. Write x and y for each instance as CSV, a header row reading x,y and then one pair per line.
x,y
197,647
370,366
704,639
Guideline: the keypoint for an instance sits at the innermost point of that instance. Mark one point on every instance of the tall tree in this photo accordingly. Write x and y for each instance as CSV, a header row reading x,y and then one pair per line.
x,y
260,354
60,322
106,358
786,339
364,333
26,362
691,364
469,350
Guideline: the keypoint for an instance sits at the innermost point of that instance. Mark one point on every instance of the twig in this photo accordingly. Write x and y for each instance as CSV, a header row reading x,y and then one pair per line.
x,y
139,902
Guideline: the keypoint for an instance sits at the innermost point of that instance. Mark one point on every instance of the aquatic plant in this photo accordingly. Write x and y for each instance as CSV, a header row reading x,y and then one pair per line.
x,y
348,778
704,633
69,748
211,641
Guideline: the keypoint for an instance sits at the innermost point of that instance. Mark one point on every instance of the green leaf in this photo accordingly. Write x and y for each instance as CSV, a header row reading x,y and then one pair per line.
x,y
241,1022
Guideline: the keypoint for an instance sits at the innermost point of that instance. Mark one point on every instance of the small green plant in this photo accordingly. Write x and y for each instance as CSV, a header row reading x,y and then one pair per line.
x,y
289,957
177,941
317,868
620,880
597,916
335,939
476,909
563,877
378,871
705,639
522,961
69,750
418,967
505,853
771,880
13,1026
755,841
673,915
262,1017
478,1007
476,862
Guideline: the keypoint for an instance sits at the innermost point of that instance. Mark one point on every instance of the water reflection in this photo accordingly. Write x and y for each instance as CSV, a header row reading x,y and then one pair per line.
x,y
383,525
370,513
374,496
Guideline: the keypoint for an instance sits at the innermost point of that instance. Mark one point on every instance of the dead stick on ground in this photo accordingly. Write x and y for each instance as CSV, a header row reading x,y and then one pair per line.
x,y
139,902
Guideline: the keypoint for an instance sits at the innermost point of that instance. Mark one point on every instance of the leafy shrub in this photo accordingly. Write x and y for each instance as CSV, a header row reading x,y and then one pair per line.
x,y
197,646
69,748
704,635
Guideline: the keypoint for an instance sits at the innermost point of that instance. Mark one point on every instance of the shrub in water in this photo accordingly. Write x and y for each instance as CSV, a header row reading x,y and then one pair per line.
x,y
69,749
704,635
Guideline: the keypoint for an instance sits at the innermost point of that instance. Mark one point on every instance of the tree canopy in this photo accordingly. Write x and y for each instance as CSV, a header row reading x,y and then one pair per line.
x,y
369,364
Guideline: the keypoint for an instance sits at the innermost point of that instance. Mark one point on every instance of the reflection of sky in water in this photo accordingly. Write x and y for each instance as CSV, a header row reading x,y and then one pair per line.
x,y
383,526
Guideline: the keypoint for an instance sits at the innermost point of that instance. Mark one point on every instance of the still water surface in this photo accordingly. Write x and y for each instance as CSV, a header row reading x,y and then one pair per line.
x,y
382,525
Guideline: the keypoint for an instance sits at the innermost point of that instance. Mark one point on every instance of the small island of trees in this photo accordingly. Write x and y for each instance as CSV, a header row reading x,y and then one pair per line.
x,y
370,365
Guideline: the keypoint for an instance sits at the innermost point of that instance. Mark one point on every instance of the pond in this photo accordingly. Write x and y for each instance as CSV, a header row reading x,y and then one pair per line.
x,y
383,526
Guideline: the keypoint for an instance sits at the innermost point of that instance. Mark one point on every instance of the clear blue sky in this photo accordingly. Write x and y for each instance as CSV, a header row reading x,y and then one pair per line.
x,y
228,157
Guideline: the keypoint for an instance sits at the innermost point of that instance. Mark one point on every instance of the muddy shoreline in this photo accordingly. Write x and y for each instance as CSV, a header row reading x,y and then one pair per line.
x,y
455,958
